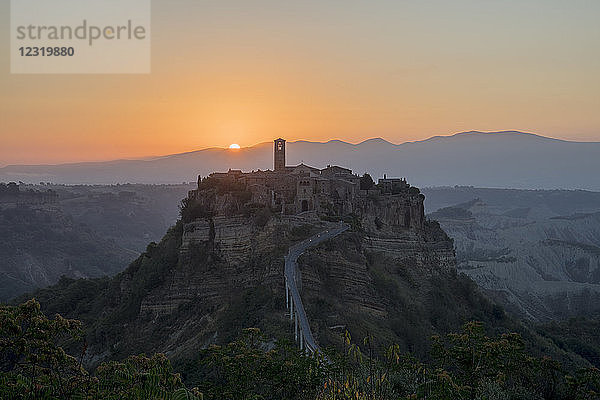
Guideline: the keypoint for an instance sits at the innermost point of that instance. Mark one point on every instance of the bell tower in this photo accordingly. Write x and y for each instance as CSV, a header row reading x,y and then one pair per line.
x,y
279,155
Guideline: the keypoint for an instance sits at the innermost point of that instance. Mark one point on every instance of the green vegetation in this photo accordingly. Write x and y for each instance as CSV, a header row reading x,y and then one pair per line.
x,y
222,186
452,213
464,365
434,231
404,300
10,188
576,335
252,367
301,232
254,307
414,190
190,210
34,365
398,300
238,201
113,309
419,308
106,313
262,216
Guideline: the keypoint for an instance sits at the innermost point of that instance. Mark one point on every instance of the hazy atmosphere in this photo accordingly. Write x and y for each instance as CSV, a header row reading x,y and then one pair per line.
x,y
300,200
246,71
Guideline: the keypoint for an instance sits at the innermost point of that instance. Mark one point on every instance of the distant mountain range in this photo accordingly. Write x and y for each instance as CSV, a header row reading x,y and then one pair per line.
x,y
488,159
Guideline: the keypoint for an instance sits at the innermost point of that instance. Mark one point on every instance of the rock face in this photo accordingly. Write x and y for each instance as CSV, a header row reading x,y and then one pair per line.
x,y
232,236
343,282
539,264
392,210
387,280
363,275
237,239
224,255
218,273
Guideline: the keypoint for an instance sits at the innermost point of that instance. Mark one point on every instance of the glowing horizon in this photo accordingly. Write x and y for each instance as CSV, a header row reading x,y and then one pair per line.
x,y
233,72
270,143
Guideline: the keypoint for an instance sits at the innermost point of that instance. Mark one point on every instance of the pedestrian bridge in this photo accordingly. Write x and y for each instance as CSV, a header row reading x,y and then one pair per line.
x,y
302,333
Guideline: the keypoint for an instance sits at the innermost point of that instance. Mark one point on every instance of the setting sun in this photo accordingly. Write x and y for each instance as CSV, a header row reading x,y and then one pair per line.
x,y
234,146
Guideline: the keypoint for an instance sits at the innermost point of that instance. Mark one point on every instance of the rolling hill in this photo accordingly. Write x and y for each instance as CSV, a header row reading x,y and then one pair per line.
x,y
486,159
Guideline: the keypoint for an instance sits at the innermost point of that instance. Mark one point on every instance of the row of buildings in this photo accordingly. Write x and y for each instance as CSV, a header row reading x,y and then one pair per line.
x,y
296,189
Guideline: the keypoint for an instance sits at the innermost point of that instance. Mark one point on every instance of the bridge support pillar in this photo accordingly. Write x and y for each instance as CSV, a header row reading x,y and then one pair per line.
x,y
296,327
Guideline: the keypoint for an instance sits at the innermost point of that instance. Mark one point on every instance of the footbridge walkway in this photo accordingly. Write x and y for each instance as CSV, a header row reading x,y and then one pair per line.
x,y
302,332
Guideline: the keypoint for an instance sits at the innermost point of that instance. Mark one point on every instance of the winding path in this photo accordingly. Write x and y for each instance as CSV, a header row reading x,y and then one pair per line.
x,y
302,332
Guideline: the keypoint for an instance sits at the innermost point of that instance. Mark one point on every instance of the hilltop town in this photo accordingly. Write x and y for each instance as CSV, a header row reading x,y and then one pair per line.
x,y
332,192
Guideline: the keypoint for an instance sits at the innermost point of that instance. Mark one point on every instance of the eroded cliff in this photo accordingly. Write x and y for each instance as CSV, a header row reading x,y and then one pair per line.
x,y
218,273
537,263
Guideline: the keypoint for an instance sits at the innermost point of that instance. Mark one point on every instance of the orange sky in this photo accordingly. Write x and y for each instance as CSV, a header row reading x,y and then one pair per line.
x,y
230,72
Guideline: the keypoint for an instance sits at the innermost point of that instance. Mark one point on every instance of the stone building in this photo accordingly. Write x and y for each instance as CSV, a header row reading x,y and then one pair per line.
x,y
332,191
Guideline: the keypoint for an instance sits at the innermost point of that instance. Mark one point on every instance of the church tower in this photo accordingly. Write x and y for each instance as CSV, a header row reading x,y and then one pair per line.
x,y
279,164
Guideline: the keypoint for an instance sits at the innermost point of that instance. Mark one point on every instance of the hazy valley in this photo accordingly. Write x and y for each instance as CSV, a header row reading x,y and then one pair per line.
x,y
397,275
500,159
82,232
535,252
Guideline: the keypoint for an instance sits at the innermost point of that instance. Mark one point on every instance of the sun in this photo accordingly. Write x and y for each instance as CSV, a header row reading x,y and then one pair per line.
x,y
234,146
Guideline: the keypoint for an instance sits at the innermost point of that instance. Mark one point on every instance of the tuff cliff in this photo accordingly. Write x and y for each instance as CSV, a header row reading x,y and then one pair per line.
x,y
245,243
220,270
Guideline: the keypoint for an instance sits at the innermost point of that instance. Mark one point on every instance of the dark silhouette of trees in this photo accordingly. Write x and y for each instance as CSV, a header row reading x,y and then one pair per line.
x,y
34,364
465,365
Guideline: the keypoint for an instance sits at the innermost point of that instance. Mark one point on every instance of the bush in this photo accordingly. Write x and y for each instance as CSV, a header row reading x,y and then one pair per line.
x,y
262,217
252,368
34,365
191,210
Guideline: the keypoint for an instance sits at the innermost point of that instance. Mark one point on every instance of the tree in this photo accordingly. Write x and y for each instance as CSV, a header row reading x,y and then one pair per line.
x,y
252,368
33,363
31,360
474,362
